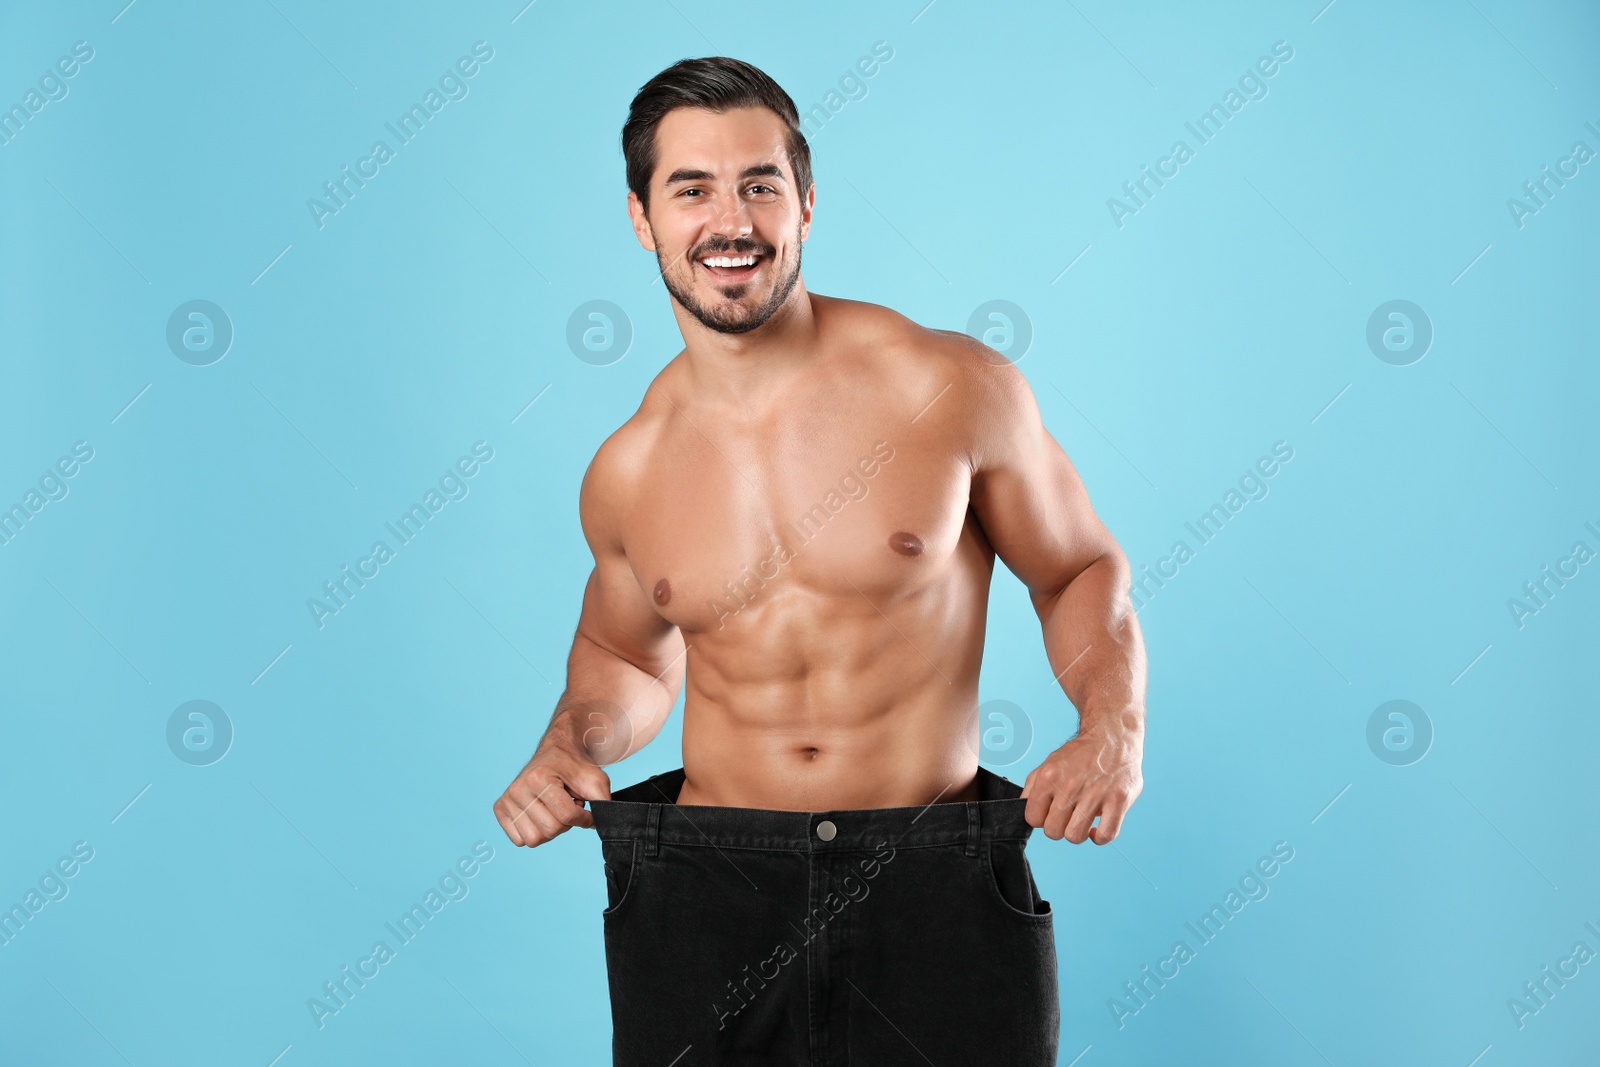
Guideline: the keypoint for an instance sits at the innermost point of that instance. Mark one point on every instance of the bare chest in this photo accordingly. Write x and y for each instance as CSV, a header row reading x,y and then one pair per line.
x,y
828,510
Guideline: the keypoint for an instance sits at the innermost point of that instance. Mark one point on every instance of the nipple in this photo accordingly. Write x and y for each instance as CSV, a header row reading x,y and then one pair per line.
x,y
663,591
907,544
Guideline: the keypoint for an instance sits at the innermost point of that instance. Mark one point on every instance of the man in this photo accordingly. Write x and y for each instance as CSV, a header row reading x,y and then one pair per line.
x,y
801,520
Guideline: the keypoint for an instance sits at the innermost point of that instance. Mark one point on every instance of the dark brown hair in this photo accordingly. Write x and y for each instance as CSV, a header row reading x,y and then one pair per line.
x,y
715,83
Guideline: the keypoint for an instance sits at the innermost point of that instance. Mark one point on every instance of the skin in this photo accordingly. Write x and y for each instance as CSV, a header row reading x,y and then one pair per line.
x,y
834,662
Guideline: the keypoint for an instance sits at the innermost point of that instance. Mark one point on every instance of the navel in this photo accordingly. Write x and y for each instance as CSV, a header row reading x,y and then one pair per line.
x,y
907,544
663,591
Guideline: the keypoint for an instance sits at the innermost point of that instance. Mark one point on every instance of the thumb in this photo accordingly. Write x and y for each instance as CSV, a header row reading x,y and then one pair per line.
x,y
588,783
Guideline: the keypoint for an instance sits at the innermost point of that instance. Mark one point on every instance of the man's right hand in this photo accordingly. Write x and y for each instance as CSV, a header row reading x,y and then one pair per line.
x,y
544,800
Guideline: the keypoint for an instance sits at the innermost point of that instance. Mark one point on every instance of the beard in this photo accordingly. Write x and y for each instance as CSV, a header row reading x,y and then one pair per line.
x,y
727,316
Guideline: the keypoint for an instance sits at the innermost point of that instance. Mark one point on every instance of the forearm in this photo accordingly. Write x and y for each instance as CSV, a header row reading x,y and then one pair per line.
x,y
610,708
1095,648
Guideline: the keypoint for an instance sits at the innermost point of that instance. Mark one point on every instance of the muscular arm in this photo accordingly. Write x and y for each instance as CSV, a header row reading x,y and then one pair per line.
x,y
1035,511
623,676
626,664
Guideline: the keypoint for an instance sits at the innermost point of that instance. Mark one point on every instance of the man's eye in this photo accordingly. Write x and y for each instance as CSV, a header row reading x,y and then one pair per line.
x,y
761,188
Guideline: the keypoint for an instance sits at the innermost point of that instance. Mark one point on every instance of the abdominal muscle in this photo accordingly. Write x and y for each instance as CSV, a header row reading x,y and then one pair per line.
x,y
802,705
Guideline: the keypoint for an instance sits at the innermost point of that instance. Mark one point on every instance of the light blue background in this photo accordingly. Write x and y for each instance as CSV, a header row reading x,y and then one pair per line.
x,y
1229,313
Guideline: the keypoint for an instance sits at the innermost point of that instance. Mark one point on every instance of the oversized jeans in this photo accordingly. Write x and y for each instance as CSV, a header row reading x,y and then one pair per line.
x,y
877,936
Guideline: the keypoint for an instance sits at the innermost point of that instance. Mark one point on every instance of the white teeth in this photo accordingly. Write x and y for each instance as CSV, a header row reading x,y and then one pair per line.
x,y
729,261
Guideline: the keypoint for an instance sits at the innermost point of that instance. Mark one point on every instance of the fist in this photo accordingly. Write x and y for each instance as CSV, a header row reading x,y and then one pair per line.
x,y
1089,777
546,798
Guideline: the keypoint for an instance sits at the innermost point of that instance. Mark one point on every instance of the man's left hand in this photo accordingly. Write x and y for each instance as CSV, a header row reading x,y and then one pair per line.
x,y
1092,775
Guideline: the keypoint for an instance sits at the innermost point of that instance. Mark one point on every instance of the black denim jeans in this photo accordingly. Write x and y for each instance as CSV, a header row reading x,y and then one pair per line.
x,y
870,938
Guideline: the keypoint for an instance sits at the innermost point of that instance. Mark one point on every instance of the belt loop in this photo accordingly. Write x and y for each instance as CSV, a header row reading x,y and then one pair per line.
x,y
972,829
652,829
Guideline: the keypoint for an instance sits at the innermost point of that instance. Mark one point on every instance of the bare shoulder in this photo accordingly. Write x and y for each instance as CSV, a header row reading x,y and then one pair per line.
x,y
872,328
972,390
620,464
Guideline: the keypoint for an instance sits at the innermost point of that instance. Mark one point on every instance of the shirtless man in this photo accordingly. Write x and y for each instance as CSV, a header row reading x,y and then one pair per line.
x,y
801,520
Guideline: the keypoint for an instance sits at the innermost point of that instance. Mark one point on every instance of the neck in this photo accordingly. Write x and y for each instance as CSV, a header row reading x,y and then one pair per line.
x,y
742,370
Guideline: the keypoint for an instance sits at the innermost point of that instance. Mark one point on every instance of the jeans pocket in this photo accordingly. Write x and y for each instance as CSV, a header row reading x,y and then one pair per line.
x,y
1012,882
621,864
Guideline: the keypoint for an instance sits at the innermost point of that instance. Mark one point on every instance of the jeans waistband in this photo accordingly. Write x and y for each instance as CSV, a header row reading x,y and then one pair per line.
x,y
648,810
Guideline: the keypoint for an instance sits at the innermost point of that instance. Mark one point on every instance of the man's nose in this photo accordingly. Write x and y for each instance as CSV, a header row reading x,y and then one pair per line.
x,y
734,218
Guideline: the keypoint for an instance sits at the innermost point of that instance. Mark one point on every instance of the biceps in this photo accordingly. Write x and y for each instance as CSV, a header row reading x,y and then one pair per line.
x,y
1036,513
620,619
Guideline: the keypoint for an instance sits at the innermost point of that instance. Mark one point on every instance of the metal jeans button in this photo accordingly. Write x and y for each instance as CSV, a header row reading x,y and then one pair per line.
x,y
826,830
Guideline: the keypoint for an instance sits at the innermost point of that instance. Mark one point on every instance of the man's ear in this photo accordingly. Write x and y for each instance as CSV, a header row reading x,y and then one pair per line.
x,y
641,224
805,212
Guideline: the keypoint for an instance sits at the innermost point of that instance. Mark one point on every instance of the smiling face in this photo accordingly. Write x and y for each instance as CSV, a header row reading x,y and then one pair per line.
x,y
725,219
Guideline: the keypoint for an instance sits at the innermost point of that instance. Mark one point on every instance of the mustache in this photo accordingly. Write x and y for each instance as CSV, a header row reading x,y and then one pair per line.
x,y
741,247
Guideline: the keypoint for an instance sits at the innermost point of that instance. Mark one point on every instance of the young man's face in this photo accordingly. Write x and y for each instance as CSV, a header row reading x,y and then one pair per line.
x,y
723,189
